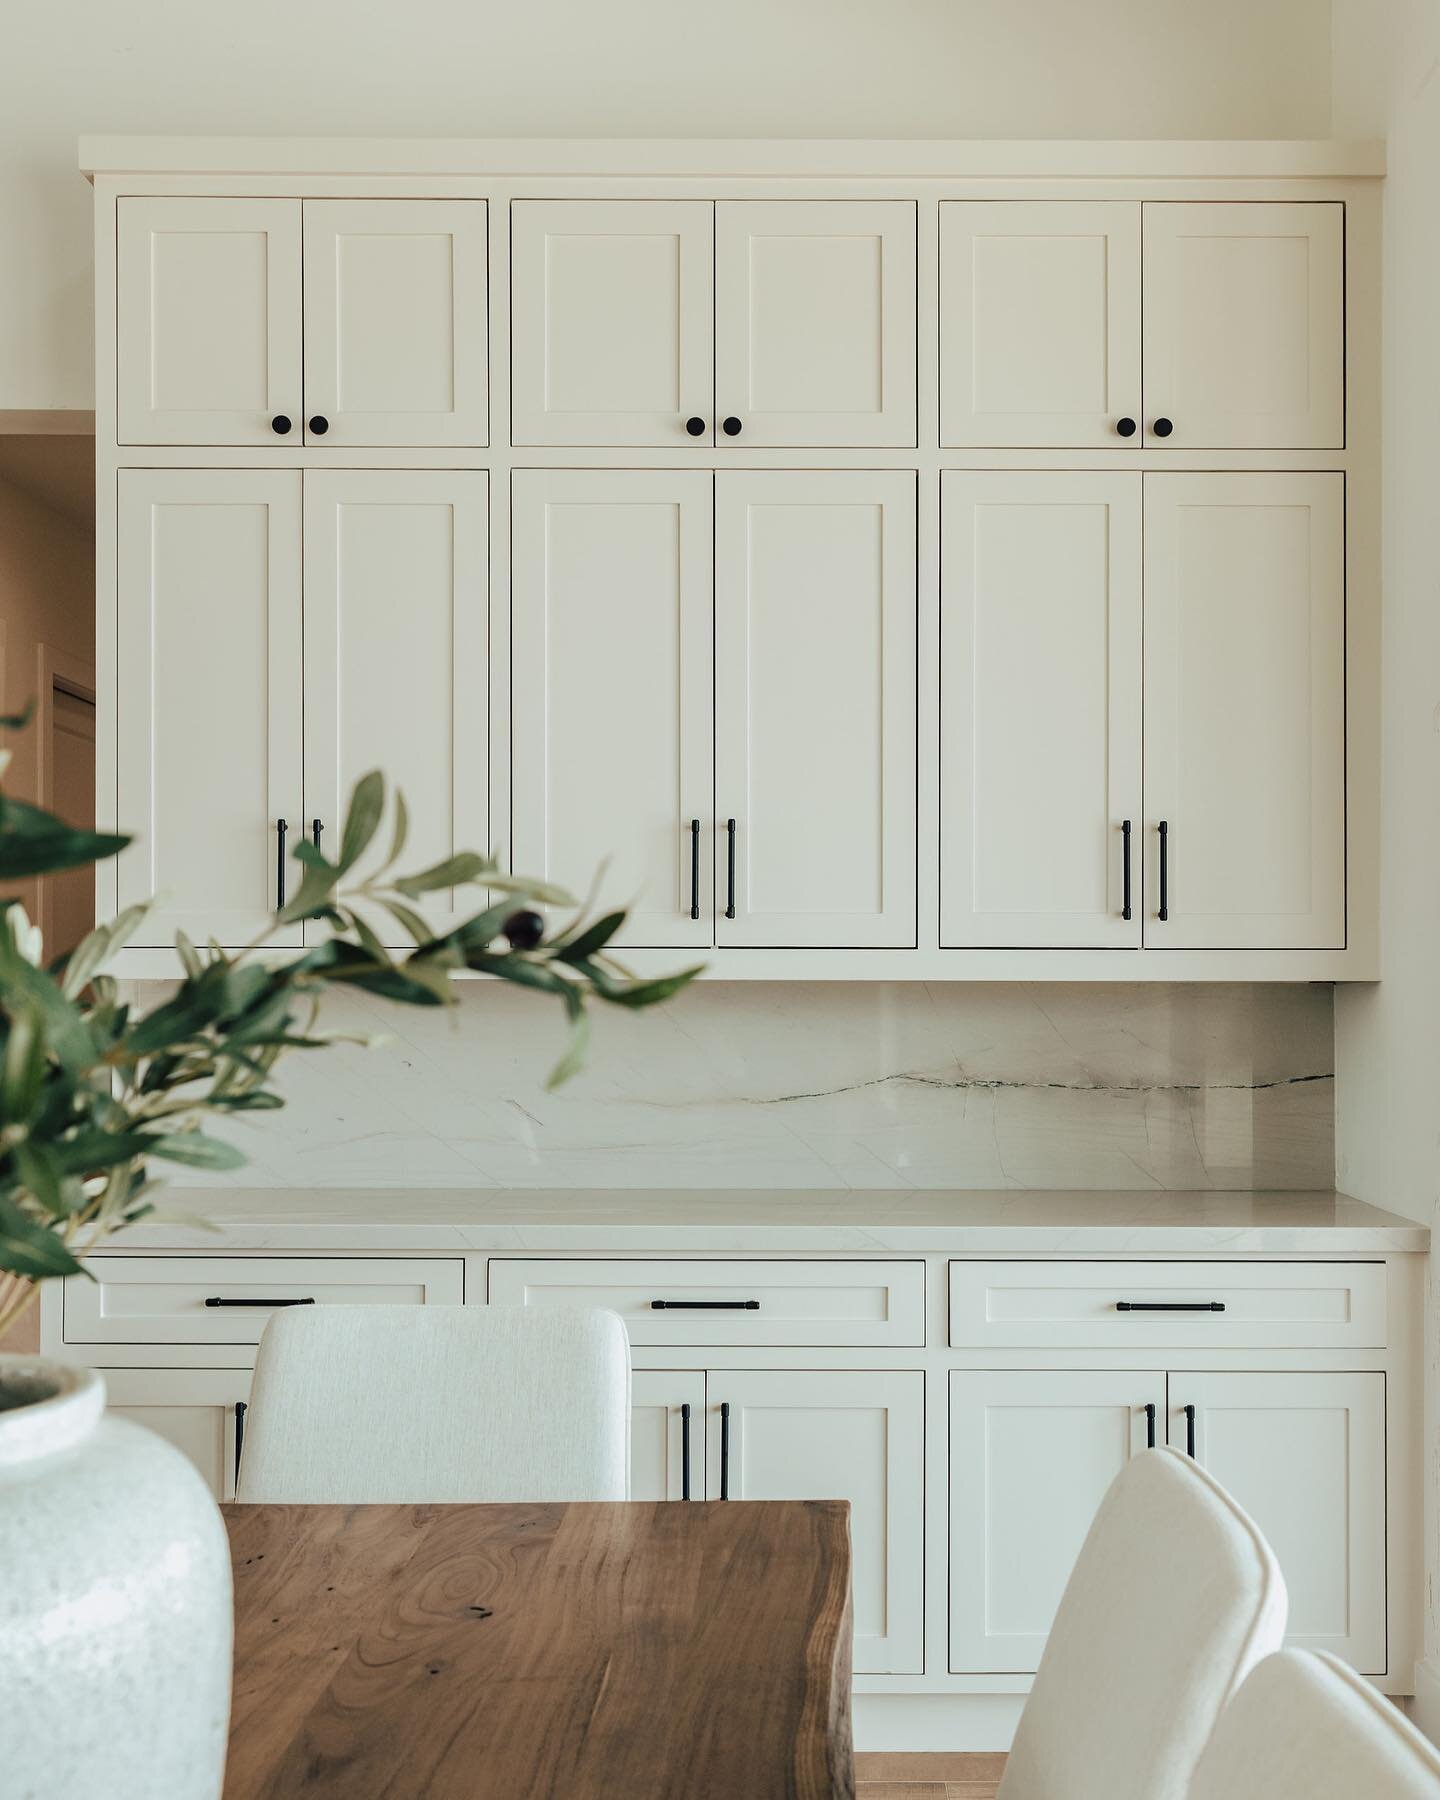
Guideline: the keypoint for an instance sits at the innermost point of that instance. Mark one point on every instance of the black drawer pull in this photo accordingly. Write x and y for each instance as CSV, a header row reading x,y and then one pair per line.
x,y
1190,1432
685,1451
240,1411
1163,910
1126,909
216,1300
1169,1306
281,827
725,1450
1150,1426
729,868
694,868
704,1306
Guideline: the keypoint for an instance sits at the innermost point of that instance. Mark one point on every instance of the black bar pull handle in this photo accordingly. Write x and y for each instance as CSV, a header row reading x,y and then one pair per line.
x,y
685,1451
1125,910
281,827
217,1300
694,868
725,1450
704,1306
1169,1306
1163,911
1190,1432
316,827
730,868
1150,1425
240,1411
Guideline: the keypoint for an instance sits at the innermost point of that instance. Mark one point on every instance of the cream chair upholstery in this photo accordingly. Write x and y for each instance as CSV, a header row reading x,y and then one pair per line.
x,y
1305,1727
438,1403
1174,1599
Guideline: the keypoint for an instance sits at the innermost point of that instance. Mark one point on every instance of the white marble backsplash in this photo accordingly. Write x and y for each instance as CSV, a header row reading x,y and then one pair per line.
x,y
827,1085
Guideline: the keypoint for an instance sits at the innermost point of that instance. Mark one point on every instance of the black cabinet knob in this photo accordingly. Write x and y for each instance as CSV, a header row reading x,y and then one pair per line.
x,y
730,426
1125,427
319,425
695,426
280,424
1162,427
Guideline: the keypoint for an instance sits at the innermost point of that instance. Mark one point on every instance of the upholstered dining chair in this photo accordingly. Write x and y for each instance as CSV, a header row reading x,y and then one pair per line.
x,y
1174,1598
1306,1727
355,1404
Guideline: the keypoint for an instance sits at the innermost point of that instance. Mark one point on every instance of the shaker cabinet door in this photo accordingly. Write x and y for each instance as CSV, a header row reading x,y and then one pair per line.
x,y
200,1411
667,1434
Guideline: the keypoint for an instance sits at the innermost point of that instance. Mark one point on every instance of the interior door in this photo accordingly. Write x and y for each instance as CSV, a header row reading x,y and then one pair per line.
x,y
789,1435
396,327
815,677
667,1434
815,322
200,1411
1040,323
612,322
1245,325
208,733
1040,713
1031,1456
1305,1456
1245,711
207,323
397,661
612,691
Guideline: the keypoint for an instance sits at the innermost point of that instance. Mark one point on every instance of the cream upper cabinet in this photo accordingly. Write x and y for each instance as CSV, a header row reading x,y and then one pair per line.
x,y
396,323
209,698
815,645
1040,724
1039,322
1245,325
612,702
207,327
611,336
815,322
397,663
1245,711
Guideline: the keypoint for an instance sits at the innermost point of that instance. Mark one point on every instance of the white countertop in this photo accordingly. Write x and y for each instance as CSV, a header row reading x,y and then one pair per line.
x,y
965,1220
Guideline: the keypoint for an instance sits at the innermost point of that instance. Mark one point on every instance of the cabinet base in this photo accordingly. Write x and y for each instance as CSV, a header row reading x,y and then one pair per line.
x,y
936,1721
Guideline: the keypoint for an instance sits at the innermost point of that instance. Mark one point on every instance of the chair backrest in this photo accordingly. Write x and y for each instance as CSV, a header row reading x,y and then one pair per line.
x,y
1174,1599
356,1404
1305,1727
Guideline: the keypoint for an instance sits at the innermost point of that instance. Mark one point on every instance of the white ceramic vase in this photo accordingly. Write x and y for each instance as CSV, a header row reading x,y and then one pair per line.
x,y
115,1609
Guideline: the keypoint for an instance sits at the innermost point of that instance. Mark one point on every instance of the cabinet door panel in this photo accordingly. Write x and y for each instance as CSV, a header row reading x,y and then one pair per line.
x,y
207,321
815,707
1039,322
612,702
1245,325
1040,709
815,321
395,322
659,1436
193,1409
396,649
1031,1456
1245,710
611,321
209,663
1305,1456
833,1436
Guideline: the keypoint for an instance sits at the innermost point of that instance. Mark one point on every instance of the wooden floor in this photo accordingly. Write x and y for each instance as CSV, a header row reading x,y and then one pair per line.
x,y
918,1775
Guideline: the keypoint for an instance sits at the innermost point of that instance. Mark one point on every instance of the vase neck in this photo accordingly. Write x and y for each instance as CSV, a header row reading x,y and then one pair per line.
x,y
46,1408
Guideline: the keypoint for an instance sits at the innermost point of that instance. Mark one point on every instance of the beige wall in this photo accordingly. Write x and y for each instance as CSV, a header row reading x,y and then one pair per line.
x,y
628,68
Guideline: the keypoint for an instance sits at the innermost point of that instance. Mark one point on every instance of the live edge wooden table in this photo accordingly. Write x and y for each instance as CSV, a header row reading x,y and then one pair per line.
x,y
635,1651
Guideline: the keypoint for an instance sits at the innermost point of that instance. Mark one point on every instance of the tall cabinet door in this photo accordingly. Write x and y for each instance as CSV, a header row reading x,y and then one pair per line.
x,y
1245,711
667,1434
200,1411
1305,1456
209,684
1040,710
791,1435
815,708
1031,1455
1040,323
395,322
208,321
1245,325
396,654
612,691
612,321
815,322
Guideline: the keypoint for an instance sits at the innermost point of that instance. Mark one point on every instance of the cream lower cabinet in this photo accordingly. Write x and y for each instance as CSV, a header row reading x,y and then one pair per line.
x,y
667,1434
200,1411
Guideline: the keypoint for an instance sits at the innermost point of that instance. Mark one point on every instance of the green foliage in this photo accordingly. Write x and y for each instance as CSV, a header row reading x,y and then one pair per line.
x,y
91,1095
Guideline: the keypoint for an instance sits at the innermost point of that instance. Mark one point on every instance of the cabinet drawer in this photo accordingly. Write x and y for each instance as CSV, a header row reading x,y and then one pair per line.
x,y
1083,1305
876,1304
168,1299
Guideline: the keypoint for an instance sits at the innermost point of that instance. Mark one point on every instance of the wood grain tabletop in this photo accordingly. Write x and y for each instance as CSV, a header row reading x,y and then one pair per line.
x,y
637,1651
